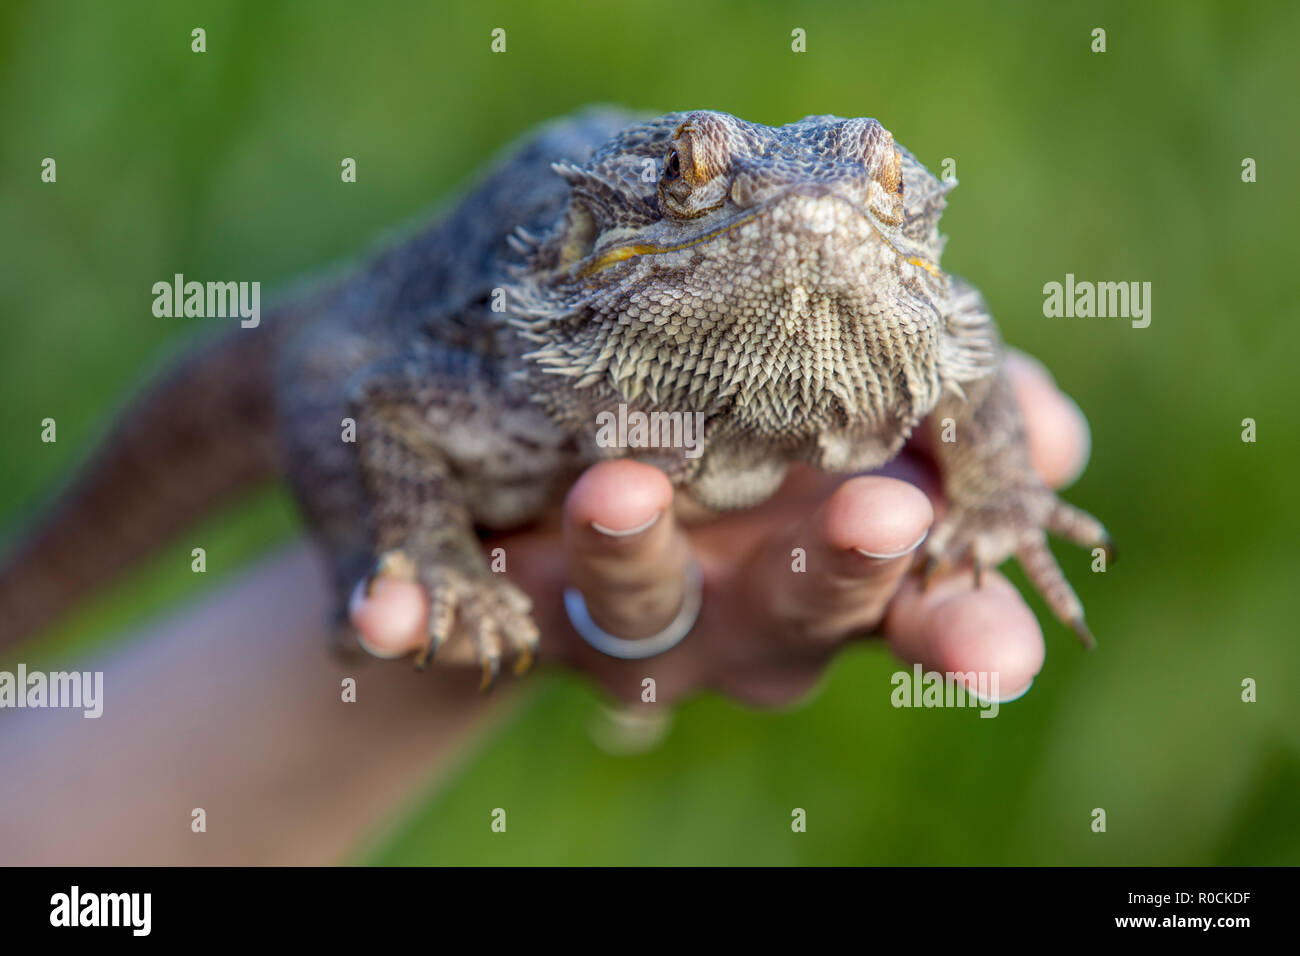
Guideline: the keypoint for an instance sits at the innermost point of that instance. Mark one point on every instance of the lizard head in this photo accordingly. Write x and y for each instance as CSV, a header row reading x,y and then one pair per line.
x,y
705,262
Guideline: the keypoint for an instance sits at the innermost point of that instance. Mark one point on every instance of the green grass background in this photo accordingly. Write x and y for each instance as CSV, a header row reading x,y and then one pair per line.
x,y
1116,166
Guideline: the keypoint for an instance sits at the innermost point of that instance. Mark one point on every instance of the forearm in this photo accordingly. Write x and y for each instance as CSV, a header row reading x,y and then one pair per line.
x,y
980,439
234,706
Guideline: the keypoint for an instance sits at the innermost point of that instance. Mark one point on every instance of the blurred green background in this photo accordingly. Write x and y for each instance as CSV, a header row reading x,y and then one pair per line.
x,y
1117,166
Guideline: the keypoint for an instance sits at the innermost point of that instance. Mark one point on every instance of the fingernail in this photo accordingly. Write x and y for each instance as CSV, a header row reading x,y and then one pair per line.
x,y
613,533
1010,698
376,652
897,554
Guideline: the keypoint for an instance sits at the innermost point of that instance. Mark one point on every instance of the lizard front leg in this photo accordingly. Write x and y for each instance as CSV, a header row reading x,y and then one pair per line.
x,y
997,504
406,413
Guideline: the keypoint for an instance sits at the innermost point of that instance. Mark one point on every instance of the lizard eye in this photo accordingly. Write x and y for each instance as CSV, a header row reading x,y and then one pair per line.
x,y
691,184
673,166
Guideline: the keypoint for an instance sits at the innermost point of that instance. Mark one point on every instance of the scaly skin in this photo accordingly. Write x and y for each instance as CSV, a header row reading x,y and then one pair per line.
x,y
782,281
785,282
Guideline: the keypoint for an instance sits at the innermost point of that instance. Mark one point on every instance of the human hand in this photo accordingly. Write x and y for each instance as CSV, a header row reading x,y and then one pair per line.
x,y
766,632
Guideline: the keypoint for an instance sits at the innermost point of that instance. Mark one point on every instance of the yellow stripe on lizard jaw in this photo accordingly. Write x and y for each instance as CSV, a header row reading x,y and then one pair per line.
x,y
617,254
623,253
927,266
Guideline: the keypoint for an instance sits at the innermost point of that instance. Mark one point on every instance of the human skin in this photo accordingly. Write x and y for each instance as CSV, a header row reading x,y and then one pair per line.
x,y
232,704
767,633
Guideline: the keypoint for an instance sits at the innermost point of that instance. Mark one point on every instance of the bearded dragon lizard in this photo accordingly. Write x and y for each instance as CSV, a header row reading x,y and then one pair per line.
x,y
782,281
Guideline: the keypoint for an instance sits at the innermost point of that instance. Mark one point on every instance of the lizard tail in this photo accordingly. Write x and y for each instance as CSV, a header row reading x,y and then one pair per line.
x,y
199,433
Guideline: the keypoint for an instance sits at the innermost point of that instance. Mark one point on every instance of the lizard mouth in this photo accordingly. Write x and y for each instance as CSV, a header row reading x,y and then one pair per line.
x,y
621,253
617,254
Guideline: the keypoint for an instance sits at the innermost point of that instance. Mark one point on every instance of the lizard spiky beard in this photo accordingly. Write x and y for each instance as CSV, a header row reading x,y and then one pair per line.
x,y
782,282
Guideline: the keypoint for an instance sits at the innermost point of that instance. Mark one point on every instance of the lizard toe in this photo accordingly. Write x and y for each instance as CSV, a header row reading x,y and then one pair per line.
x,y
1015,523
477,618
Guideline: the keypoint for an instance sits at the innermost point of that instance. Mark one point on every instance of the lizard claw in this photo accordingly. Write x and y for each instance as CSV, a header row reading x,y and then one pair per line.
x,y
430,649
393,564
1085,635
1015,522
930,570
491,667
474,616
525,661
1107,544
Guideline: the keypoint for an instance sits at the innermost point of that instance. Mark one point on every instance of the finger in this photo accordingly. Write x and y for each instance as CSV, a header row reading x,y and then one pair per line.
x,y
952,627
1056,429
389,620
626,553
856,547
